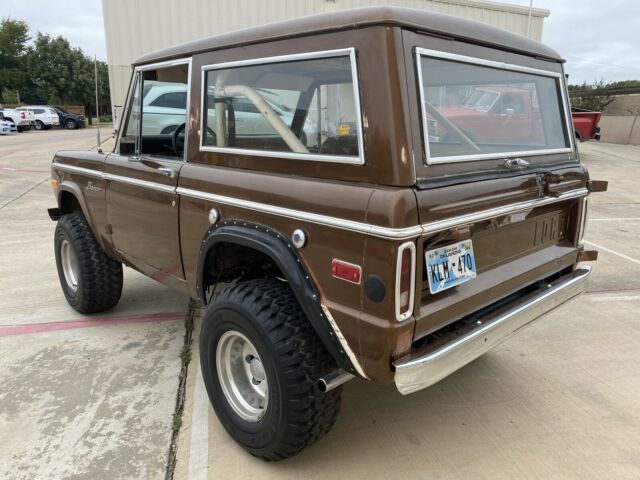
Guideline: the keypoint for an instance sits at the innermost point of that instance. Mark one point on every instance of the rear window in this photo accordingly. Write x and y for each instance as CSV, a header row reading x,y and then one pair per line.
x,y
302,106
474,109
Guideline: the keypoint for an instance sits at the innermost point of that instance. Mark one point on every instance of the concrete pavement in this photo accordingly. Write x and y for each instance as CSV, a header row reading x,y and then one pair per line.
x,y
81,397
560,400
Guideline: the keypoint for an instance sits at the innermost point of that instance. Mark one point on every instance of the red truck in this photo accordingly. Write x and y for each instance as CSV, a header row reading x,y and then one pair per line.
x,y
585,124
499,115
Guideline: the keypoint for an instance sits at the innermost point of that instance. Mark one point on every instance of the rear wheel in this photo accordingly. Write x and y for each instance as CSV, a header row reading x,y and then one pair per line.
x,y
90,279
260,361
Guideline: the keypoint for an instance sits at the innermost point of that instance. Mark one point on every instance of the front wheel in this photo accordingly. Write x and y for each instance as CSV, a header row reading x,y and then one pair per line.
x,y
70,124
260,361
39,125
90,279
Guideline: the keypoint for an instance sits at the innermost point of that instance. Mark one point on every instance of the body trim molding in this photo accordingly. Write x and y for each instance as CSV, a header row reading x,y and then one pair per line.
x,y
390,233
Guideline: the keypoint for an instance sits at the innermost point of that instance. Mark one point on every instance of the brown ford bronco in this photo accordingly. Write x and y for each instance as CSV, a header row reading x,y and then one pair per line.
x,y
308,183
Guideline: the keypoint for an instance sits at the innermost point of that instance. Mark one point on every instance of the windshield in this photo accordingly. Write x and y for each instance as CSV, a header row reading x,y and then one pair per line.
x,y
481,100
475,111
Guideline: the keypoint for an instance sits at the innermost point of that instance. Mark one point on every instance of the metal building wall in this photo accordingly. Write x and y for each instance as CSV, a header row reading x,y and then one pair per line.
x,y
135,27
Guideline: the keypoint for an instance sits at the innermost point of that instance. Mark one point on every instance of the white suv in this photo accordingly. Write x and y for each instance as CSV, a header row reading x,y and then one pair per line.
x,y
45,117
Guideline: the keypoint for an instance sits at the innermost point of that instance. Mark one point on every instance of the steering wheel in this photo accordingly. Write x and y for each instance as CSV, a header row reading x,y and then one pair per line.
x,y
177,140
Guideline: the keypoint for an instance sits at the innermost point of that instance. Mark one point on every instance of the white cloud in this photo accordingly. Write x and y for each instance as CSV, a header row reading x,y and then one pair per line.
x,y
596,38
79,21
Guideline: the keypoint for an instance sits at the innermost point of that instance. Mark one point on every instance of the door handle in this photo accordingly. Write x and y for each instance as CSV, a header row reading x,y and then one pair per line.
x,y
516,163
169,172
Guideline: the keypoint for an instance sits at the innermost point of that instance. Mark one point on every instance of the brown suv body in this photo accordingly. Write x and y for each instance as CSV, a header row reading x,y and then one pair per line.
x,y
153,213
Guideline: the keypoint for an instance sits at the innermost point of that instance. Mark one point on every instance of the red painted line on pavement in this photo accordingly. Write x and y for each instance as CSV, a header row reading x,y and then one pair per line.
x,y
8,330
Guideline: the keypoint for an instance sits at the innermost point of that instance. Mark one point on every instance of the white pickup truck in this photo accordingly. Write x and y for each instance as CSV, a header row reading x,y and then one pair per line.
x,y
44,117
23,120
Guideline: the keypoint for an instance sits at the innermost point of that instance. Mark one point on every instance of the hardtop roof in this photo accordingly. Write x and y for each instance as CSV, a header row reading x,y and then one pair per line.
x,y
418,20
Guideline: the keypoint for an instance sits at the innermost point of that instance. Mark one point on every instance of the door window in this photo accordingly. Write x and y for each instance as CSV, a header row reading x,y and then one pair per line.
x,y
156,119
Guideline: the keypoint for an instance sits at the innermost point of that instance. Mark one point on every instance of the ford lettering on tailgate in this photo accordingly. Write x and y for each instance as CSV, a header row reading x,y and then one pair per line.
x,y
450,266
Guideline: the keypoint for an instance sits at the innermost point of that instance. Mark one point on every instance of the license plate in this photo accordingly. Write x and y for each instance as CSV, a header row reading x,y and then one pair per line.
x,y
450,266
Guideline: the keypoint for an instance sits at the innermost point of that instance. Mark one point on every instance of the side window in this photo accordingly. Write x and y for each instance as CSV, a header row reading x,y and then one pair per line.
x,y
170,100
38,111
306,108
158,109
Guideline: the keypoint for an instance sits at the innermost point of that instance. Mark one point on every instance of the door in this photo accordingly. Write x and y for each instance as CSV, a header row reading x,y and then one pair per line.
x,y
142,204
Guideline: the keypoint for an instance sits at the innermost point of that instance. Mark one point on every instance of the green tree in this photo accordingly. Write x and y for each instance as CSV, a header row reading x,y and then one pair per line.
x,y
14,36
590,96
62,74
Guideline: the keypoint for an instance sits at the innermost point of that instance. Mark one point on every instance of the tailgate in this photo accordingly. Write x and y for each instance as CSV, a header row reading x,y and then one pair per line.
x,y
522,230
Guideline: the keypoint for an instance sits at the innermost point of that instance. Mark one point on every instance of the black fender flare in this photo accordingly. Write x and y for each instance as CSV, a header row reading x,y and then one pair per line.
x,y
279,248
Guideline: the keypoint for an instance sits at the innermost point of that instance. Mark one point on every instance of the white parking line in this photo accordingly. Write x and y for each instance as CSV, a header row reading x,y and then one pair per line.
x,y
199,448
628,219
622,255
609,298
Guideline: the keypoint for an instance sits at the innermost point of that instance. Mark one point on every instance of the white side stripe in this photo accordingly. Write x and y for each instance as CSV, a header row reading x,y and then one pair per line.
x,y
392,233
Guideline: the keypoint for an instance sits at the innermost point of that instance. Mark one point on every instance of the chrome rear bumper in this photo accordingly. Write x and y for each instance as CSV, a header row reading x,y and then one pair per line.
x,y
418,373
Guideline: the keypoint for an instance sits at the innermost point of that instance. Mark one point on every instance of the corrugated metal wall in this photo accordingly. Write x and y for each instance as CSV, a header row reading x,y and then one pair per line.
x,y
135,27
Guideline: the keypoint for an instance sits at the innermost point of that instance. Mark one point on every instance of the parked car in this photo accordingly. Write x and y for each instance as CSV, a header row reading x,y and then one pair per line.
x,y
69,120
376,250
585,124
44,117
7,127
165,106
491,114
23,120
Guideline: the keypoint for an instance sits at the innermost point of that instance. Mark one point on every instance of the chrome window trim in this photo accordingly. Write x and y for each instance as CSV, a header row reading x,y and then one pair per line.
x,y
125,113
349,225
350,52
412,286
424,52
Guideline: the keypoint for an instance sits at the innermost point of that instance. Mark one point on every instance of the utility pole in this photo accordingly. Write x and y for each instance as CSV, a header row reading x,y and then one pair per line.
x,y
95,71
529,20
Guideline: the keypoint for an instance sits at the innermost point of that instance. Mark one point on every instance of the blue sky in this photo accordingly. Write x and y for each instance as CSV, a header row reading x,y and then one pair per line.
x,y
598,39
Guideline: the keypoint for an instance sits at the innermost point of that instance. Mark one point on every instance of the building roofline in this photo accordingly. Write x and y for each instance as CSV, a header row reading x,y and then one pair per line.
x,y
499,6
418,20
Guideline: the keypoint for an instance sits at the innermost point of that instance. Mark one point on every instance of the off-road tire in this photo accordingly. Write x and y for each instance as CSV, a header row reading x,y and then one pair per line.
x,y
39,125
99,276
298,414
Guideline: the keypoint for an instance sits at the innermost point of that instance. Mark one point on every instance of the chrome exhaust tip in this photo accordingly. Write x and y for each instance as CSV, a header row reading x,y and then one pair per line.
x,y
334,380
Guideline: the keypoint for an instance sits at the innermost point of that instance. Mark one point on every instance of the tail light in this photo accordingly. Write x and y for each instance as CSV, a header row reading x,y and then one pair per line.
x,y
405,280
